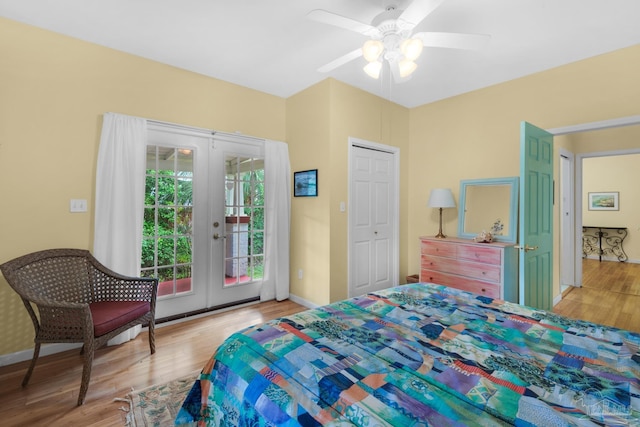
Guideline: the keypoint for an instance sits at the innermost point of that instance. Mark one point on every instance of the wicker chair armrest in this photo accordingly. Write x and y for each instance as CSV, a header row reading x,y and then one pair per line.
x,y
64,323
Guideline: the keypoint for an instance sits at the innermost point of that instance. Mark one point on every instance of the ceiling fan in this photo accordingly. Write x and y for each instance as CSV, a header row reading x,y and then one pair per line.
x,y
391,38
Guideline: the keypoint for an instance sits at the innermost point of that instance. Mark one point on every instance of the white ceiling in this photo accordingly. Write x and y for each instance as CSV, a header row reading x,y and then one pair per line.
x,y
271,46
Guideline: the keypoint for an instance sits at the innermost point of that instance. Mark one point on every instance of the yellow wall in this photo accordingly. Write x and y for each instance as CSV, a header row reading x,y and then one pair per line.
x,y
53,92
308,136
320,121
476,135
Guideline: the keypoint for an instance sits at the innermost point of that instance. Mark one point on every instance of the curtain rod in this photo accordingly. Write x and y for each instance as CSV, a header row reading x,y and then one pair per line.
x,y
180,127
200,130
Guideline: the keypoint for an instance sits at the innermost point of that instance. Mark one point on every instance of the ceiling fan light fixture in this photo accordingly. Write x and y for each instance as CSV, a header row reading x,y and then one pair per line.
x,y
406,67
411,48
373,69
372,49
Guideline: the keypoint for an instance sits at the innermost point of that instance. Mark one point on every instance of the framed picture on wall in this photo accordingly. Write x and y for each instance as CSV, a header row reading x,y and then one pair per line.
x,y
305,183
604,201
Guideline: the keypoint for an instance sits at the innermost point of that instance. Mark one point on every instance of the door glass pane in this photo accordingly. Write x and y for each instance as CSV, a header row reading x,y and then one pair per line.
x,y
244,210
167,244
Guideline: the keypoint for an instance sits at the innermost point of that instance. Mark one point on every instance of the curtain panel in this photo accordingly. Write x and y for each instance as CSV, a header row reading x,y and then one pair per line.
x,y
277,172
119,198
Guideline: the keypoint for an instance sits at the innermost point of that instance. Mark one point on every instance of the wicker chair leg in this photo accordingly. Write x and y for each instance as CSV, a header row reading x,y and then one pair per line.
x,y
34,359
86,372
152,338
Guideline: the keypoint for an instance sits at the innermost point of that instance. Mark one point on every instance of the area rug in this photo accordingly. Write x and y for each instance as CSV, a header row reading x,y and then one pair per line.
x,y
159,404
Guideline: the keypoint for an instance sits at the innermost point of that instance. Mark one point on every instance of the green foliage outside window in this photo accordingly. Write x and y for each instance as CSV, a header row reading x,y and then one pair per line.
x,y
168,223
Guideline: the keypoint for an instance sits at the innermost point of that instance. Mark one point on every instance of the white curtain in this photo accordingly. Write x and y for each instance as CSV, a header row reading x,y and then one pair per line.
x,y
120,197
277,171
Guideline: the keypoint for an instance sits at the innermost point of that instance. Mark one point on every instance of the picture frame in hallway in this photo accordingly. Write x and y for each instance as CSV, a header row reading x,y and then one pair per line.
x,y
604,201
305,183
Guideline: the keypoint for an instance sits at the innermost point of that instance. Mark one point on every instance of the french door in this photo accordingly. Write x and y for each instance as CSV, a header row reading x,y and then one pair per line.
x,y
203,232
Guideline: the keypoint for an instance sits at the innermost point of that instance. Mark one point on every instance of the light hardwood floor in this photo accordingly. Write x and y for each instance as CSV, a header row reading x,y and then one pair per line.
x,y
610,295
50,397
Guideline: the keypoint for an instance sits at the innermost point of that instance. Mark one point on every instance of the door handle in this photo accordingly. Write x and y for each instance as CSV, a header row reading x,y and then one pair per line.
x,y
216,236
526,248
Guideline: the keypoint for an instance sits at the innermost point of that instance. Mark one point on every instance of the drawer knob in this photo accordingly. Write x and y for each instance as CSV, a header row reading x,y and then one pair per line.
x,y
484,290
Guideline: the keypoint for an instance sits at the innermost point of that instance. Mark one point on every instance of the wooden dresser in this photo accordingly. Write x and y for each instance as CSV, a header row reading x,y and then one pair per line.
x,y
489,269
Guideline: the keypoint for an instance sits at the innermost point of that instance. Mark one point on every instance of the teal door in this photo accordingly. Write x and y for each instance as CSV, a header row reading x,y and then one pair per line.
x,y
536,217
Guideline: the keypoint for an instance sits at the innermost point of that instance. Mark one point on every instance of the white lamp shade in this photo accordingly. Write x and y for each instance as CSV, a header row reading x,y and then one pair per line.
x,y
406,67
372,49
373,69
411,48
441,198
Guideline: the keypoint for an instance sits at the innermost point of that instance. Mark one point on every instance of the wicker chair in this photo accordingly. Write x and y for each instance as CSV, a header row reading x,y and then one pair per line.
x,y
79,300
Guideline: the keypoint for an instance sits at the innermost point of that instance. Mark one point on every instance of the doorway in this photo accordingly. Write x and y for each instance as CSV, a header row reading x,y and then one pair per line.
x,y
373,216
580,189
574,263
203,232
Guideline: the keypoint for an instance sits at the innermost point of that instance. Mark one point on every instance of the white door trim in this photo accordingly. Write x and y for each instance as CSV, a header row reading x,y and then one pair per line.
x,y
567,193
603,124
395,151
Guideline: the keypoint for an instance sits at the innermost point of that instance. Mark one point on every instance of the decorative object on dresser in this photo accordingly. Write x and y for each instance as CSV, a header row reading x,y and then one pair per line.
x,y
485,269
441,198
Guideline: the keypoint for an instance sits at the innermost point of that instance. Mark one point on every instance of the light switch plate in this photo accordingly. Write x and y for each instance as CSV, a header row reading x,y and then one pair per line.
x,y
78,205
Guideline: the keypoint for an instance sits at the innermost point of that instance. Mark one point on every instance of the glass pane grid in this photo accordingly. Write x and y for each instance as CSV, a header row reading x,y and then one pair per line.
x,y
244,208
167,246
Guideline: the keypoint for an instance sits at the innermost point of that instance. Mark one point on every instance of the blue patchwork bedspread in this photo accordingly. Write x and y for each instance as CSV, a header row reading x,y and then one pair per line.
x,y
419,355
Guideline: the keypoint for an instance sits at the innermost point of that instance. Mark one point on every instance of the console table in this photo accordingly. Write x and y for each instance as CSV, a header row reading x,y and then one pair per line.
x,y
604,241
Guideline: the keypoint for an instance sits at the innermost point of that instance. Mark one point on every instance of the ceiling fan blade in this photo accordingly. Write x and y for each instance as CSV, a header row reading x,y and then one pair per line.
x,y
453,40
417,11
341,61
340,21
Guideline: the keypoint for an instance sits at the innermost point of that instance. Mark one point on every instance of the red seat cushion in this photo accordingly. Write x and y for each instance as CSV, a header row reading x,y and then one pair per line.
x,y
110,315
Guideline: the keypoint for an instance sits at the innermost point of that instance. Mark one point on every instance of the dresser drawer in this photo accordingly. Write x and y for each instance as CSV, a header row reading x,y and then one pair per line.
x,y
458,282
480,253
474,270
438,248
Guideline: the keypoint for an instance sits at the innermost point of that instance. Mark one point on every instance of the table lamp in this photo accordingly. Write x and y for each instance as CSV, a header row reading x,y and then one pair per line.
x,y
441,198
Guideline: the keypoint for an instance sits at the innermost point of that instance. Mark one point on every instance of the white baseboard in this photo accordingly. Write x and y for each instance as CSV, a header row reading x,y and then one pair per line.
x,y
303,302
45,350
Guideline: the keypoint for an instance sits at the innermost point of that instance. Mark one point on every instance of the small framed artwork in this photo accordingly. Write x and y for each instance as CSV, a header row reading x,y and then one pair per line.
x,y
604,201
305,183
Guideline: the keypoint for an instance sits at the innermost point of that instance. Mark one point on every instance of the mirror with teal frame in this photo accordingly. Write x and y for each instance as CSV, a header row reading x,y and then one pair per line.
x,y
489,205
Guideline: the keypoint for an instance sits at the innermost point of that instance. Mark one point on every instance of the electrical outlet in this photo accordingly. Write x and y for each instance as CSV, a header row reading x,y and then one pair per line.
x,y
300,274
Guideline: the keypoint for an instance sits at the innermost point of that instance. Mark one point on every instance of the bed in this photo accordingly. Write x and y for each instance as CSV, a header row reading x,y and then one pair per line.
x,y
417,355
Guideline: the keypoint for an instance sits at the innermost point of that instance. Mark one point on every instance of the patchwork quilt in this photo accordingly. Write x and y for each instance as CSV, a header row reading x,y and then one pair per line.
x,y
420,355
